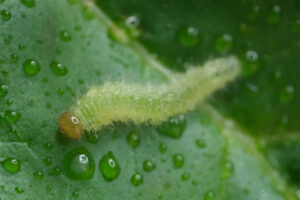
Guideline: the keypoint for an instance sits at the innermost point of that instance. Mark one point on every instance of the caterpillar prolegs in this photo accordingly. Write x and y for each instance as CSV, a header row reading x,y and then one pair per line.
x,y
117,101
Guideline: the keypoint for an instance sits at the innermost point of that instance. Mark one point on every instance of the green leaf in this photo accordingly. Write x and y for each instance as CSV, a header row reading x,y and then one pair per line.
x,y
52,52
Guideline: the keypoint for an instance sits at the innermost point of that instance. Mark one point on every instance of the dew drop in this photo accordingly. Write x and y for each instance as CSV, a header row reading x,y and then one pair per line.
x,y
133,139
185,176
58,68
224,43
93,138
29,3
178,160
47,161
228,169
48,146
65,36
188,37
287,94
5,15
60,91
11,165
132,22
250,62
79,164
109,167
38,175
31,67
136,179
14,58
148,166
173,128
3,90
200,143
19,190
56,171
11,116
75,195
275,15
209,195
21,47
162,147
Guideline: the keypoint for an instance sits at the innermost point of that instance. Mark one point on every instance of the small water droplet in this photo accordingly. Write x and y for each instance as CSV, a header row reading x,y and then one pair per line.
x,y
29,3
178,160
56,171
49,188
136,179
250,63
60,91
79,164
21,47
75,195
173,128
275,15
148,166
11,116
185,176
58,68
38,175
19,190
162,147
93,138
224,43
228,169
11,165
287,94
109,167
5,15
132,22
31,67
3,90
209,195
65,36
47,161
133,139
189,37
200,143
14,58
48,146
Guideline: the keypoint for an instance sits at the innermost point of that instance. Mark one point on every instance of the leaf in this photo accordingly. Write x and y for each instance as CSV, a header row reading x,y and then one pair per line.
x,y
52,53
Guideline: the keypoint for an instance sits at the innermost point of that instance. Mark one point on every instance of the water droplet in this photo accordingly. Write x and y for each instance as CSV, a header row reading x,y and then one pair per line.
x,y
79,164
148,166
136,179
38,175
173,128
93,137
287,94
162,147
275,15
56,171
109,167
228,169
178,160
60,91
185,176
132,22
48,146
31,67
133,139
29,3
75,195
14,58
3,90
58,68
49,188
209,195
21,47
47,161
5,15
200,143
65,36
11,116
188,37
19,190
11,165
250,62
224,43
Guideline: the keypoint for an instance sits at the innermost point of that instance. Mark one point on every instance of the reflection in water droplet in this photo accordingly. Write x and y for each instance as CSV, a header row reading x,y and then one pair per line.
x,y
3,90
11,165
29,3
31,67
5,15
188,37
136,179
173,128
109,167
58,68
11,116
65,36
209,195
148,166
178,160
133,139
224,43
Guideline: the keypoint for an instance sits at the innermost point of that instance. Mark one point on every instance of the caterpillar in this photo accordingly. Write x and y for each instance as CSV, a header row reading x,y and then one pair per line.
x,y
118,101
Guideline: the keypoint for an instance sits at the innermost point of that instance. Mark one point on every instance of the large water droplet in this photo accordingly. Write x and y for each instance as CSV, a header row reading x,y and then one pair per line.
x,y
5,15
3,90
173,128
79,164
11,165
188,37
178,160
29,3
11,116
65,36
224,43
209,195
58,68
148,166
137,179
109,167
31,67
133,139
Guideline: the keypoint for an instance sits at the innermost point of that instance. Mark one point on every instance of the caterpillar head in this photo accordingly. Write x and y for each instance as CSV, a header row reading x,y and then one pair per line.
x,y
70,125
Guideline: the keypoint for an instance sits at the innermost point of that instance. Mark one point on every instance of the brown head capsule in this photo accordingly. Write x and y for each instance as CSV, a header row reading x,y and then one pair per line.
x,y
70,125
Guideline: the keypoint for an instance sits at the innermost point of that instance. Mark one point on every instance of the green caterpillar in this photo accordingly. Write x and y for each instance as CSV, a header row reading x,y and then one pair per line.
x,y
153,104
